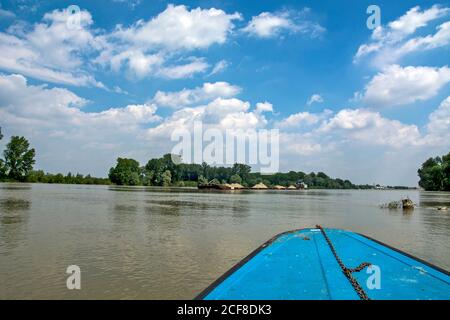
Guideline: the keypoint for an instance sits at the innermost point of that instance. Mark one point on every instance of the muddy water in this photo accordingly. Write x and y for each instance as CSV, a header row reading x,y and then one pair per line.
x,y
149,243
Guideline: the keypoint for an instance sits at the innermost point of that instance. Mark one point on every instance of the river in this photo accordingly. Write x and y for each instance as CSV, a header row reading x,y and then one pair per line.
x,y
154,243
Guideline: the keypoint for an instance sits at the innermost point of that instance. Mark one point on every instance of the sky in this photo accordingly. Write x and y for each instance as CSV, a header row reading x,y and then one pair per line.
x,y
360,103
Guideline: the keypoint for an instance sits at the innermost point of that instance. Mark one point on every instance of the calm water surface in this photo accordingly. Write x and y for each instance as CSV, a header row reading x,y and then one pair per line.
x,y
149,243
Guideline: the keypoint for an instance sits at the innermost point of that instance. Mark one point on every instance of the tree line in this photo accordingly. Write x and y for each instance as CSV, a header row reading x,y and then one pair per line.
x,y
39,176
435,174
165,172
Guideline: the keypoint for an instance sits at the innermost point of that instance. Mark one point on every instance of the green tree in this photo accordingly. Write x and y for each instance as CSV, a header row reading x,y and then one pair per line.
x,y
19,158
2,169
202,180
153,170
166,178
36,176
2,163
322,175
126,172
446,171
215,181
431,174
242,170
435,174
148,176
235,178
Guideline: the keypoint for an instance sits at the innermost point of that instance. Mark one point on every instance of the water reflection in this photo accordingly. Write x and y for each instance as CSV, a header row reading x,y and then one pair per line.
x,y
434,200
124,209
13,205
163,209
407,212
15,186
14,216
123,214
240,209
234,205
152,189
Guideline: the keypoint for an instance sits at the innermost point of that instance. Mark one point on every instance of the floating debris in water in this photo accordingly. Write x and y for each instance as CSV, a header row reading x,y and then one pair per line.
x,y
391,205
407,204
402,204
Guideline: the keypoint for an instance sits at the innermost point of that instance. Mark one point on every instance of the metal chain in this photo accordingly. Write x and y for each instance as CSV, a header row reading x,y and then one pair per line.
x,y
347,271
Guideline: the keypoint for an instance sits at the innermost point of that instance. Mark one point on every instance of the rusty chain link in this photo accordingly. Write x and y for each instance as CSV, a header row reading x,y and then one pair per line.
x,y
348,271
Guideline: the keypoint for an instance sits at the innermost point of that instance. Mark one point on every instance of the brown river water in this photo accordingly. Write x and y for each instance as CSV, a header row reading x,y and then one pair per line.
x,y
154,243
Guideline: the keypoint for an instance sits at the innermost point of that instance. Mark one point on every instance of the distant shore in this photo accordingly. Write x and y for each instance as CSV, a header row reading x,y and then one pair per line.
x,y
196,188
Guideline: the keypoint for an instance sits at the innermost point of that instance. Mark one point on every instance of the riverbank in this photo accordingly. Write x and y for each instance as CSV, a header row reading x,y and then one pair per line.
x,y
191,185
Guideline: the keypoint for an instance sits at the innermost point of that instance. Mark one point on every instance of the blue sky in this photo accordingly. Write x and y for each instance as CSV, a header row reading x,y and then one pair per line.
x,y
368,105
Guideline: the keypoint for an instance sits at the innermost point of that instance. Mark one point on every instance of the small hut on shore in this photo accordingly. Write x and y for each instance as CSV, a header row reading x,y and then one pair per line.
x,y
259,186
278,187
236,186
291,187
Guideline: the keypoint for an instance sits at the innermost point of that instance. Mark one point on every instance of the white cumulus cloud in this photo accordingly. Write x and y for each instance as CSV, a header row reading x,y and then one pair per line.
x,y
219,67
294,120
271,24
185,70
438,127
370,127
59,51
390,43
51,51
177,28
396,85
314,98
187,97
147,46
